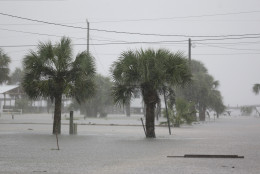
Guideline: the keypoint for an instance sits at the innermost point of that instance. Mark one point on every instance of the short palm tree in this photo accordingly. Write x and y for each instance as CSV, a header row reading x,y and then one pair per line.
x,y
4,70
151,73
51,72
256,88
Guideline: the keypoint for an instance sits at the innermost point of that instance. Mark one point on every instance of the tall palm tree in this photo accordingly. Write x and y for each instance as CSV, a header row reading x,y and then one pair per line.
x,y
256,88
51,72
4,70
204,91
151,73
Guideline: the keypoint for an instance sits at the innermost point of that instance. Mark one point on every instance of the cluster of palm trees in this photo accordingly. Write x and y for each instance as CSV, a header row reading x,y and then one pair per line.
x,y
203,91
52,71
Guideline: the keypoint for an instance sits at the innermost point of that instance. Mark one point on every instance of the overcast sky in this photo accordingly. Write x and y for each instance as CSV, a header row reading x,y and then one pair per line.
x,y
233,60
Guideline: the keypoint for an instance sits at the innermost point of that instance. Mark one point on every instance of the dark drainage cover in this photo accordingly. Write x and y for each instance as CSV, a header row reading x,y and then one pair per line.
x,y
206,156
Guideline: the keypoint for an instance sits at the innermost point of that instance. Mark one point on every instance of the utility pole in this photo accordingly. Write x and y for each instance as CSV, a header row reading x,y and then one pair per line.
x,y
87,36
190,88
190,52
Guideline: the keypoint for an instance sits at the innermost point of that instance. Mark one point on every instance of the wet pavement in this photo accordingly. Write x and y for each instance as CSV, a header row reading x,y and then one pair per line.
x,y
27,146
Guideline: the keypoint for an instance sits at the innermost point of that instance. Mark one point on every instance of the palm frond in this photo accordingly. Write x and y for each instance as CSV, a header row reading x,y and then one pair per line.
x,y
82,77
49,71
122,93
177,71
63,53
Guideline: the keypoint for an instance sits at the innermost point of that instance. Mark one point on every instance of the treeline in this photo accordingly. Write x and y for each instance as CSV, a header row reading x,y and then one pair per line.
x,y
51,72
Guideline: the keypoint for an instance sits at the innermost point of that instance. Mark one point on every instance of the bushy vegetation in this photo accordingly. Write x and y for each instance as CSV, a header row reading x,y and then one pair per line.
x,y
246,110
182,112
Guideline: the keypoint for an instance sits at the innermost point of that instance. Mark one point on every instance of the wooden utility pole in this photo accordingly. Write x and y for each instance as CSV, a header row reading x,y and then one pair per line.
x,y
189,52
87,36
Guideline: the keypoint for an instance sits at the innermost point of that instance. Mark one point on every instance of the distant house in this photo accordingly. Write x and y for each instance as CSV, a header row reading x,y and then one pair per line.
x,y
8,95
137,105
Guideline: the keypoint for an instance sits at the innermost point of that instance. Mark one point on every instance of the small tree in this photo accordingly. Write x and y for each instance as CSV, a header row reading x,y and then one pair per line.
x,y
100,101
4,69
246,110
182,112
16,77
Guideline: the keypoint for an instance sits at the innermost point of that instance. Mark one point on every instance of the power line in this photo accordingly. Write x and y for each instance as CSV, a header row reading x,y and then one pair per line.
x,y
227,54
35,33
230,47
179,17
147,19
126,42
44,34
97,56
12,24
33,0
202,54
122,32
228,38
14,46
231,43
142,42
30,24
113,43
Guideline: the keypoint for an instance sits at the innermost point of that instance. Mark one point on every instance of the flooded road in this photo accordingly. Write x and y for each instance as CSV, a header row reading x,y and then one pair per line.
x,y
30,148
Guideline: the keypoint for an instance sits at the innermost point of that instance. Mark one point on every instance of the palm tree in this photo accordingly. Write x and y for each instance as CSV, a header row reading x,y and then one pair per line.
x,y
51,72
4,70
151,73
16,77
256,88
204,91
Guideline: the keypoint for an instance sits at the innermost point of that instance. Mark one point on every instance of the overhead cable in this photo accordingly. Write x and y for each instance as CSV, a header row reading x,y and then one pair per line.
x,y
123,32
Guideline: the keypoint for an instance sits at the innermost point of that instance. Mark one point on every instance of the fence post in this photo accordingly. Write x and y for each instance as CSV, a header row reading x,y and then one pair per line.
x,y
75,128
71,122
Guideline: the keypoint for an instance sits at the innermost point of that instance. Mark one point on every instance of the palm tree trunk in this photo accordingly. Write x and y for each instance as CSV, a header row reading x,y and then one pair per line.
x,y
57,115
127,109
158,110
202,115
150,115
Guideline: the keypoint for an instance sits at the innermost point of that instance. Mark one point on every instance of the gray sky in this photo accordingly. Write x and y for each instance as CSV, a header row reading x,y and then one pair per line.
x,y
234,62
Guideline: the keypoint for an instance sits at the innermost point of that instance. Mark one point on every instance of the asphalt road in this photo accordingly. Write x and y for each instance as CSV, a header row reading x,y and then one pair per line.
x,y
27,146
